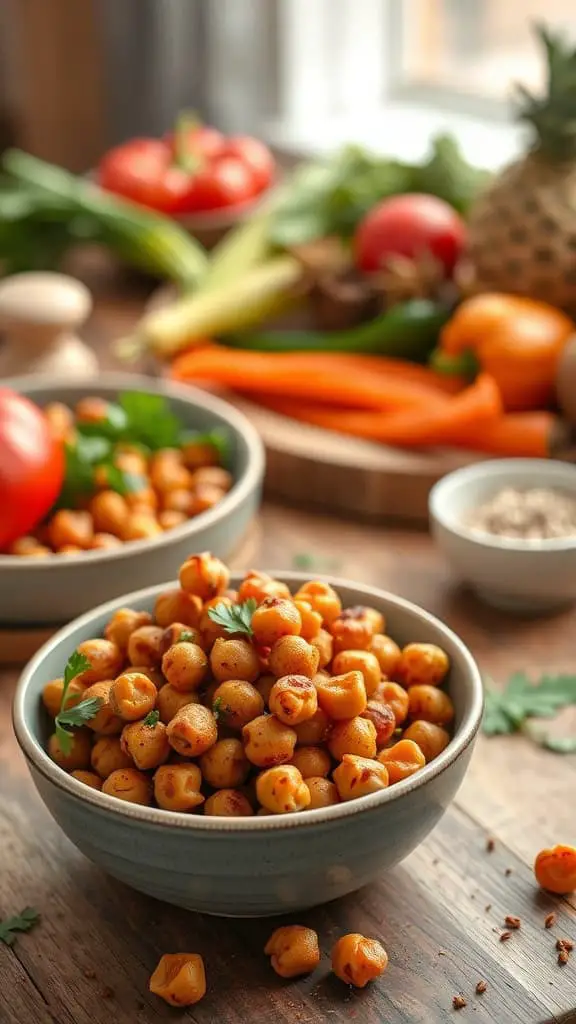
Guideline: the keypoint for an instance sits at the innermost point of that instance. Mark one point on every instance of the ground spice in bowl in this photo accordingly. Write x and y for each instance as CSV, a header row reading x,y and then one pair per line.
x,y
535,514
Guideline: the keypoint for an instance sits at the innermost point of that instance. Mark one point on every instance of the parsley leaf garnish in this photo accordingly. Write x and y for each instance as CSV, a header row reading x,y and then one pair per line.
x,y
149,420
216,708
76,664
21,922
152,719
234,618
506,710
186,636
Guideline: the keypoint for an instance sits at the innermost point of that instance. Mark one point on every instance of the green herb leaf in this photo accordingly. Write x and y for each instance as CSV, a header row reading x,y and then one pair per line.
x,y
76,664
217,439
80,713
152,719
21,922
217,708
560,744
112,427
506,710
186,636
234,618
149,420
122,481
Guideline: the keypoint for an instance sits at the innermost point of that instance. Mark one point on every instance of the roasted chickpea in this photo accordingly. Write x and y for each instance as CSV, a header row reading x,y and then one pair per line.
x,y
177,633
325,646
215,476
225,765
311,761
323,793
203,497
105,721
71,527
267,741
177,787
323,599
274,618
143,500
169,701
167,471
141,526
282,789
376,619
185,666
106,660
293,699
154,674
422,664
60,420
104,542
192,730
107,756
92,410
293,656
294,950
204,575
129,784
314,731
395,696
52,695
88,778
388,654
237,703
234,659
79,754
132,696
357,776
147,745
351,631
431,738
178,500
228,803
131,459
356,960
170,518
25,546
179,979
199,453
402,760
342,696
259,586
352,736
145,646
359,661
110,512
383,720
264,685
429,704
177,606
555,869
69,549
311,620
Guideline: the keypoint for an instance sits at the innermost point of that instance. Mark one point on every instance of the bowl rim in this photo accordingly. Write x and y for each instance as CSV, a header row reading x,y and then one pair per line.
x,y
235,421
490,470
37,756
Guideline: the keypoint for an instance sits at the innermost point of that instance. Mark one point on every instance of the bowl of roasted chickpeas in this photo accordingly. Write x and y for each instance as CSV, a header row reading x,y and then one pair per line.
x,y
153,470
249,745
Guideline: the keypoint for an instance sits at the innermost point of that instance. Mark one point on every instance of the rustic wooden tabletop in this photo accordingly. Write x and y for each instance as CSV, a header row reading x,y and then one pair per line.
x,y
440,914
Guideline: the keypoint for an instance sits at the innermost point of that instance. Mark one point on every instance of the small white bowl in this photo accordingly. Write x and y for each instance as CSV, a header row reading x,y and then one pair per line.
x,y
510,574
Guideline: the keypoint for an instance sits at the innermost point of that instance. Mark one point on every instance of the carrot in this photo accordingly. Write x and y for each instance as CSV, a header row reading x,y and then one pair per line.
x,y
528,434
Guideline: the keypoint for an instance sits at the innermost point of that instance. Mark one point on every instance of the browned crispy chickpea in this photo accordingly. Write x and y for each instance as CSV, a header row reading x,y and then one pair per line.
x,y
40,551
225,765
79,754
395,696
357,776
91,409
179,979
178,632
185,666
234,659
351,630
141,526
25,546
342,696
293,656
104,542
323,793
106,660
325,646
129,784
402,760
60,420
311,619
216,476
259,585
107,756
311,761
387,652
361,661
88,778
237,703
52,695
145,646
228,803
293,699
169,701
432,739
178,500
110,512
282,789
199,453
376,619
204,575
131,459
170,518
203,497
314,731
177,787
352,736
323,599
357,960
267,741
177,606
294,950
275,617
68,549
71,527
422,664
147,745
192,730
105,721
154,674
382,718
429,704
167,471
132,696
143,500
264,685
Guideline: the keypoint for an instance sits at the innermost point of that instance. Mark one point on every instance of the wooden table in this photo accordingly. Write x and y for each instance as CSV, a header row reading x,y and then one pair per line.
x,y
440,914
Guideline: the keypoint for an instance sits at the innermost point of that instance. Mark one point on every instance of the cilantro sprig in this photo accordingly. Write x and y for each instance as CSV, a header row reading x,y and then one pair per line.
x,y
152,719
234,618
510,710
21,922
73,717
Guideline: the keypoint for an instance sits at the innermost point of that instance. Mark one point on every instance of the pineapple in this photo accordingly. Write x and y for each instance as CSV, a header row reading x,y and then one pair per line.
x,y
522,229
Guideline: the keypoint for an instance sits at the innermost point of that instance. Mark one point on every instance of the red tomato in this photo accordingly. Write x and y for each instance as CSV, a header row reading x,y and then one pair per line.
x,y
203,141
256,156
143,170
31,466
225,182
409,225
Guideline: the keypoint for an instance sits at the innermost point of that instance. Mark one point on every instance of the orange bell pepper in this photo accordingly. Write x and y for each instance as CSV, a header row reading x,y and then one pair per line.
x,y
518,341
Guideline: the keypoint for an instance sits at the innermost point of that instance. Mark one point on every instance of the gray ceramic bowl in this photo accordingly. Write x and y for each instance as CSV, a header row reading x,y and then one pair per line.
x,y
252,867
54,590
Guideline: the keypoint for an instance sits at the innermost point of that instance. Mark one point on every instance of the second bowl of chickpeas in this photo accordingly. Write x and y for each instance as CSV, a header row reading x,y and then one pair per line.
x,y
249,745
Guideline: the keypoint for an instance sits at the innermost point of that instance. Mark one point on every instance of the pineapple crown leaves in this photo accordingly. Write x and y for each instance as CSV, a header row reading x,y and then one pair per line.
x,y
552,116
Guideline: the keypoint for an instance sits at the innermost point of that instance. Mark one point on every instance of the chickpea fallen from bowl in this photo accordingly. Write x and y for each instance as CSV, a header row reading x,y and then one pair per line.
x,y
250,702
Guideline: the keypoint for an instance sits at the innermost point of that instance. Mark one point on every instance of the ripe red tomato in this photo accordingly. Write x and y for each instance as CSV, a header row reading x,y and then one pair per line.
x,y
256,156
31,466
143,170
409,225
203,141
225,182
